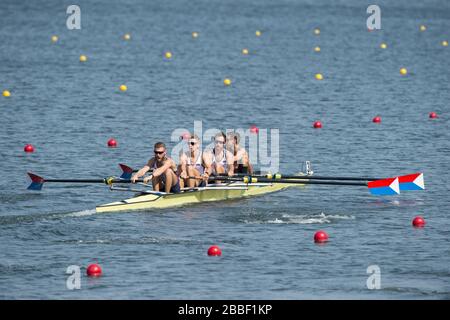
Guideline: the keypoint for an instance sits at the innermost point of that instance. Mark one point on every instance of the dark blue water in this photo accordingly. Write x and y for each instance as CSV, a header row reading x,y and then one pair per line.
x,y
68,110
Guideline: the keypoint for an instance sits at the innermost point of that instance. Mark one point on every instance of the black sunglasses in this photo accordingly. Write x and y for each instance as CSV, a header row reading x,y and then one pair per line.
x,y
159,152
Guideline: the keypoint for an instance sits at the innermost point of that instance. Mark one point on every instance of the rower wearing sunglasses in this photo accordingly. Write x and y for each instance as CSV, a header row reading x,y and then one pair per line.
x,y
241,159
220,159
193,164
163,175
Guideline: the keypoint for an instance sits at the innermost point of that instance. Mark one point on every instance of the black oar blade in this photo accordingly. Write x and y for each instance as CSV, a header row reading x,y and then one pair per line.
x,y
36,182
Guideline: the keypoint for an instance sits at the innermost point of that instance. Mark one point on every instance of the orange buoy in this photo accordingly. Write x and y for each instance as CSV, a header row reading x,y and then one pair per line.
x,y
185,136
214,251
320,236
112,143
254,129
94,270
317,125
28,148
377,119
433,115
418,222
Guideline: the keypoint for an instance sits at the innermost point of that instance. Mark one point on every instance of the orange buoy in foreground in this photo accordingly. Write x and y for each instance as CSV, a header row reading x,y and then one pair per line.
x,y
112,143
94,270
418,222
214,251
320,236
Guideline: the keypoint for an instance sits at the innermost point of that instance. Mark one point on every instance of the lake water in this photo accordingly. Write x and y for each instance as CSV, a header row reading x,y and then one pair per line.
x,y
68,110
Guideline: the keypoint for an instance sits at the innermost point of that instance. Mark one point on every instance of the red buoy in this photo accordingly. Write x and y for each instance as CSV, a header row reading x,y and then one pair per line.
x,y
28,148
185,136
254,129
112,143
94,270
317,125
418,222
433,115
320,236
214,251
377,119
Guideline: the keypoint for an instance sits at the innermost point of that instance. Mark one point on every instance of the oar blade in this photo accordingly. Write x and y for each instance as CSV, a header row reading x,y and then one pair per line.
x,y
127,172
412,182
36,182
384,187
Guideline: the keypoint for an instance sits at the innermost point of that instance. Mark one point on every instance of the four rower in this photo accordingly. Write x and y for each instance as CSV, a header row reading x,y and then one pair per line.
x,y
226,158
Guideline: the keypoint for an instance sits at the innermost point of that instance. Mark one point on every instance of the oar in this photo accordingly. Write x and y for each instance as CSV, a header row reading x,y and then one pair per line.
x,y
408,182
37,181
127,171
388,186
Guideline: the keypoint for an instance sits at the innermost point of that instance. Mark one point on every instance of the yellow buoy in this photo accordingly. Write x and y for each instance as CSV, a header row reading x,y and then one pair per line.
x,y
403,71
258,33
194,35
317,49
227,82
245,51
6,93
445,43
319,76
317,31
168,55
54,39
83,58
123,88
422,28
383,46
127,37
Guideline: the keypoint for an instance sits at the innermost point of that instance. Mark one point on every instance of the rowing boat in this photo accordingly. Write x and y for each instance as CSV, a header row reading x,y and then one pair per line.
x,y
217,192
231,188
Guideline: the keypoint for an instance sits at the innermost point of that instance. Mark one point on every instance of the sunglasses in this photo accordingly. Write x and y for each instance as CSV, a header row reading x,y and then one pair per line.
x,y
159,152
219,142
192,143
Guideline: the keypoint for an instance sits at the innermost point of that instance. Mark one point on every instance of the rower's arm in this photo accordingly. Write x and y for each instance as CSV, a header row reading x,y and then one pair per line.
x,y
141,172
246,162
169,163
230,161
183,165
207,161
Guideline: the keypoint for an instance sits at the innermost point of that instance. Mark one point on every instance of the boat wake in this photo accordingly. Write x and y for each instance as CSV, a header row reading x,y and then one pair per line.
x,y
17,219
303,219
81,213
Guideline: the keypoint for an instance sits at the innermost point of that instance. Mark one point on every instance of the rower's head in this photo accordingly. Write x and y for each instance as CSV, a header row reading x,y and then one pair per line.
x,y
194,142
160,150
231,141
233,138
219,140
